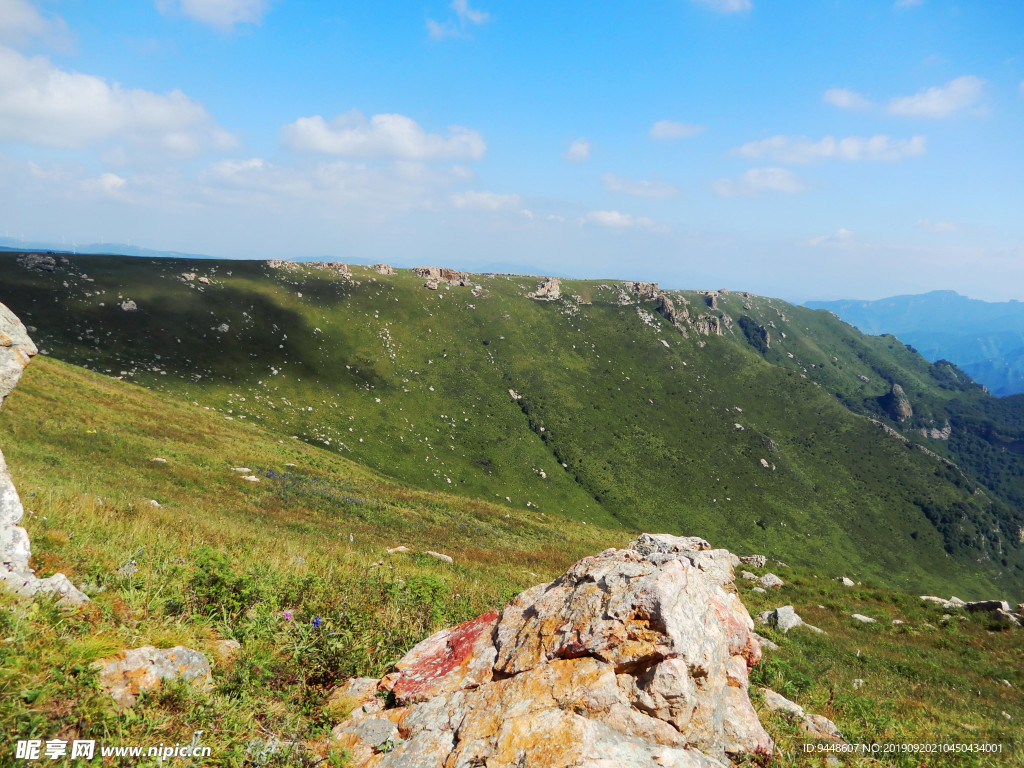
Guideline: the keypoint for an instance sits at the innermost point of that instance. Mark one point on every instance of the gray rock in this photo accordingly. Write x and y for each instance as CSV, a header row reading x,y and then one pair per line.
x,y
987,606
38,262
748,576
770,580
384,269
846,582
765,643
129,306
129,673
757,561
815,726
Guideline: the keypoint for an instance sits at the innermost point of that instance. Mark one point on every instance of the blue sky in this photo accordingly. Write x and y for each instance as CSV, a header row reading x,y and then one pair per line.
x,y
805,150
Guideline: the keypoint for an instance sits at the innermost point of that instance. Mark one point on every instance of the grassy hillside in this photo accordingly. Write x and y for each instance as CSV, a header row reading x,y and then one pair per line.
x,y
618,420
262,562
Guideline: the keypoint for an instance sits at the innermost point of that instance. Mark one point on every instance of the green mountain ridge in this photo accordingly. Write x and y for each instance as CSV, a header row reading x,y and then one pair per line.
x,y
985,339
592,407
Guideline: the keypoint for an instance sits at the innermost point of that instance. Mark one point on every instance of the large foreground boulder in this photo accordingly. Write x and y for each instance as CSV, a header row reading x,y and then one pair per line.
x,y
16,350
633,657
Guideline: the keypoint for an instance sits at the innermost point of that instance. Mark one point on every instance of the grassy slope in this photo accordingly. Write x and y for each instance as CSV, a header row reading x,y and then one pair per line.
x,y
414,383
80,446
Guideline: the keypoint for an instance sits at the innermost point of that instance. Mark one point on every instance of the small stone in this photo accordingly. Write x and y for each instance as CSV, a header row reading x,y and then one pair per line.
x,y
396,550
241,469
846,582
155,503
770,580
439,556
159,460
251,478
857,683
863,619
129,306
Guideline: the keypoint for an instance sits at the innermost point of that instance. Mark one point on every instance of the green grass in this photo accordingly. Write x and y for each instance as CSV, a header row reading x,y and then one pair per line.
x,y
614,428
223,558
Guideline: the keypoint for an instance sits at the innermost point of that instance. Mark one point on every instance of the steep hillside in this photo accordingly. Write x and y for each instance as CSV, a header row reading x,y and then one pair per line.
x,y
985,339
597,402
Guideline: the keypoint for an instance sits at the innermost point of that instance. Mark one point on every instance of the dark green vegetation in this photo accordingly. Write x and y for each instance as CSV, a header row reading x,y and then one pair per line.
x,y
756,440
985,339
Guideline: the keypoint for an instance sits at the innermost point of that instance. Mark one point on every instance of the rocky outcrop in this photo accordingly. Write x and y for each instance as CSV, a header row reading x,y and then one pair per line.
x,y
934,433
549,290
678,317
336,267
129,673
633,657
442,275
897,404
708,325
384,269
39,262
16,350
649,290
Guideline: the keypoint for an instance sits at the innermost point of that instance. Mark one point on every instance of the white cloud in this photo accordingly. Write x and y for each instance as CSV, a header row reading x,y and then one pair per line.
x,y
728,6
845,99
108,185
758,180
640,187
439,30
393,136
941,227
467,14
618,220
43,105
841,238
578,151
222,14
487,201
669,129
20,21
798,149
465,17
940,101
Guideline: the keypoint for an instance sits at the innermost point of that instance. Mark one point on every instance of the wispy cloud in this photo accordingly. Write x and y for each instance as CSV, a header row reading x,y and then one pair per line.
x,y
941,227
728,6
759,180
221,14
908,3
940,101
389,135
669,129
799,149
841,238
845,99
465,17
619,220
640,187
490,201
578,152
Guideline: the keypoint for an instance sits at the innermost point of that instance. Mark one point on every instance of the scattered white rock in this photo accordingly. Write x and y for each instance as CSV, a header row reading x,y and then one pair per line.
x,y
846,582
439,556
398,549
770,581
862,618
241,469
251,478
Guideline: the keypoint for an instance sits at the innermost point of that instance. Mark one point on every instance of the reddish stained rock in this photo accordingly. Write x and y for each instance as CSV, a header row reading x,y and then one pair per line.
x,y
450,660
632,658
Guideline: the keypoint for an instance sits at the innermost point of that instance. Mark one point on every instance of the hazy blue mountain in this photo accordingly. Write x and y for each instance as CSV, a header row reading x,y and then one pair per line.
x,y
984,338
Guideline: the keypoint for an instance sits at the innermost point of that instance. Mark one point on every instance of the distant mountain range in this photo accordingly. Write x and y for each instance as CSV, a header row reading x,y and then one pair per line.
x,y
984,338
